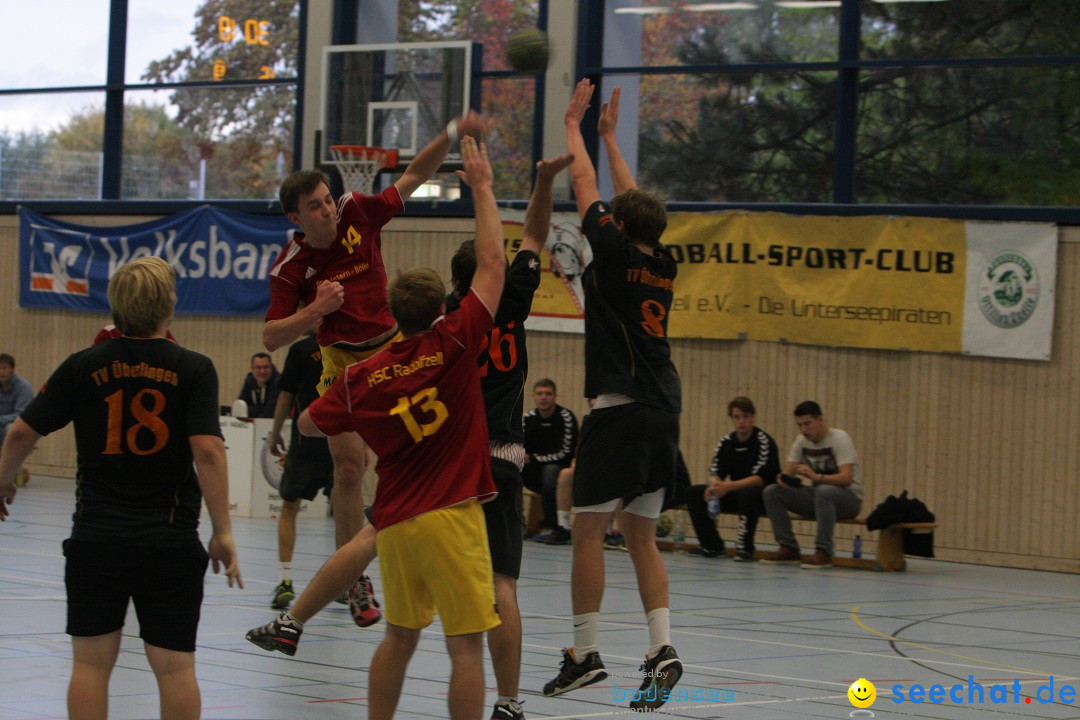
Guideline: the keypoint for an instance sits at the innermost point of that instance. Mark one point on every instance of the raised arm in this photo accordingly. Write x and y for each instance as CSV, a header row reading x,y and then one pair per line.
x,y
606,126
428,160
490,272
538,214
582,172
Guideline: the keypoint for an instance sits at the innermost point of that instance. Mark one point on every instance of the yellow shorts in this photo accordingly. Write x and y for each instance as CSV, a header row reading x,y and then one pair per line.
x,y
335,360
439,561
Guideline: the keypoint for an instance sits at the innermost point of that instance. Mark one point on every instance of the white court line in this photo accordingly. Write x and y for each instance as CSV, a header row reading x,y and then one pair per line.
x,y
55,556
674,708
32,580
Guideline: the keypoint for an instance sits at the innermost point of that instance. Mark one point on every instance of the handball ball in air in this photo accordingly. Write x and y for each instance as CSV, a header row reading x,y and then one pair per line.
x,y
528,50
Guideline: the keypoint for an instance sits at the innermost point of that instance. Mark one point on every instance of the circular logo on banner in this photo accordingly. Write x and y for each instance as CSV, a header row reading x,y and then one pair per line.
x,y
1008,289
273,467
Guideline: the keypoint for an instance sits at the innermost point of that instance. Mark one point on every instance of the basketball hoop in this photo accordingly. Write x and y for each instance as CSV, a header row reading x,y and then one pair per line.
x,y
359,164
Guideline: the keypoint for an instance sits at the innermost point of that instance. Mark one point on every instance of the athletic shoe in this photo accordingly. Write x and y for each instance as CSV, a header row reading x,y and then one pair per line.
x,y
820,559
662,672
558,536
784,556
281,634
508,711
573,675
362,602
743,556
283,595
704,552
614,541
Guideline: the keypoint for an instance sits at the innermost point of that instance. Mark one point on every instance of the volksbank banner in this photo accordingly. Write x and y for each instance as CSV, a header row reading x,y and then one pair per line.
x,y
870,282
221,259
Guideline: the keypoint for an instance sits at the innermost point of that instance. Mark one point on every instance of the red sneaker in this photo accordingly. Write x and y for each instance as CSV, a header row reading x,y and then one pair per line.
x,y
362,602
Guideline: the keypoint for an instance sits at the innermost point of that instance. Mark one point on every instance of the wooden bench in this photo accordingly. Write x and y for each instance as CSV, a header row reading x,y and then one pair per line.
x,y
890,545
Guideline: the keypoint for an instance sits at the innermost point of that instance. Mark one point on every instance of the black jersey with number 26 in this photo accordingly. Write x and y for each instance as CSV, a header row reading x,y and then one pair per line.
x,y
628,296
134,403
504,360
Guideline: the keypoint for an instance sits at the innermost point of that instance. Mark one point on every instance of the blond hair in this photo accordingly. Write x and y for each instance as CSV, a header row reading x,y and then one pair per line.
x,y
416,297
142,294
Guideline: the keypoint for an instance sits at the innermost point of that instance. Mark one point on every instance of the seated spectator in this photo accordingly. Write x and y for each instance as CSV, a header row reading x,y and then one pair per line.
x,y
260,390
550,441
15,394
744,462
825,484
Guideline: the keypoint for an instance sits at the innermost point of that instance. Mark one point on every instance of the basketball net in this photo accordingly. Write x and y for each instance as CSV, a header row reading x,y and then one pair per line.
x,y
358,165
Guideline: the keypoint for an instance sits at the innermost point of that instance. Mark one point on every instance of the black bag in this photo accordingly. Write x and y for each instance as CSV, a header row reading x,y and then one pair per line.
x,y
904,510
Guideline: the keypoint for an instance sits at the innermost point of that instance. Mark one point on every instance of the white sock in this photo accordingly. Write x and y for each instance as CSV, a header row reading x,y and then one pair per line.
x,y
286,571
564,518
512,702
659,629
292,618
586,626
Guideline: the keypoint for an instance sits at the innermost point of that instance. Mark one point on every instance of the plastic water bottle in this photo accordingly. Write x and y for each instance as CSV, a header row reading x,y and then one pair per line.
x,y
714,507
678,537
856,547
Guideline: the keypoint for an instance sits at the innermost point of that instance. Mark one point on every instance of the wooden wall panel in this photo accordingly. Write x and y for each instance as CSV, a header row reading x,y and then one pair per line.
x,y
990,445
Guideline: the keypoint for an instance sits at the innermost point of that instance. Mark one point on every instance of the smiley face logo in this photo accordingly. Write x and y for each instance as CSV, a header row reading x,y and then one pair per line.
x,y
862,693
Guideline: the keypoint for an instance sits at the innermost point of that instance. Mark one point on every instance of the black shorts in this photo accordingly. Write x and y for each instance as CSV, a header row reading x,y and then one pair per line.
x,y
165,584
505,523
625,451
308,469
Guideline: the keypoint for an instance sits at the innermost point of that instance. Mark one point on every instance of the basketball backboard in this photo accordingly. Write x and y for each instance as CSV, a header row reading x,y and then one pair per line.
x,y
396,95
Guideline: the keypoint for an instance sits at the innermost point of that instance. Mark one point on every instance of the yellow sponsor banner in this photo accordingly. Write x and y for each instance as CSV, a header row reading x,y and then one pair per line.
x,y
867,282
873,282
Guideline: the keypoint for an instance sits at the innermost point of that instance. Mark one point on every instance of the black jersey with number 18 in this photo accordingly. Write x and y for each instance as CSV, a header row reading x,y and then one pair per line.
x,y
628,296
135,403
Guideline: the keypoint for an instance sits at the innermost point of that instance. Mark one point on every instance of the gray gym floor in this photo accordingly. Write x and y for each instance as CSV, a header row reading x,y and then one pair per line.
x,y
772,642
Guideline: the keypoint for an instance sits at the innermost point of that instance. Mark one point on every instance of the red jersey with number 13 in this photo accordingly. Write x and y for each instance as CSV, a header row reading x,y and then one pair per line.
x,y
354,260
418,405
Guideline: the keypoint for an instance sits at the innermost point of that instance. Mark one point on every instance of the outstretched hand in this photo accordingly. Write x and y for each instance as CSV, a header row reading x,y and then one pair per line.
x,y
550,167
609,114
474,158
579,103
471,123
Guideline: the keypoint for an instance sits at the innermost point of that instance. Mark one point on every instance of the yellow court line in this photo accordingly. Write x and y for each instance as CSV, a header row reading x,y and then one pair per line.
x,y
867,628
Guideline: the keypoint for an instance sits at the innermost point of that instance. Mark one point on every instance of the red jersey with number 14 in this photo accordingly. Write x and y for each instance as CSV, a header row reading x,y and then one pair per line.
x,y
354,260
418,405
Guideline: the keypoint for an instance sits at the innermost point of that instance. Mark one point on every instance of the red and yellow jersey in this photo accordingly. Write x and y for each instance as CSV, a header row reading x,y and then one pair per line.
x,y
418,405
354,260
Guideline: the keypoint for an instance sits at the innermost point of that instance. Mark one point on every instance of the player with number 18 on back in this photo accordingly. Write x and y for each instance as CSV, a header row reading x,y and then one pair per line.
x,y
144,409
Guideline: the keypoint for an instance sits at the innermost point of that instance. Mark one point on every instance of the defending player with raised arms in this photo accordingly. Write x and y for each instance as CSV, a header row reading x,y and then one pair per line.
x,y
630,441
